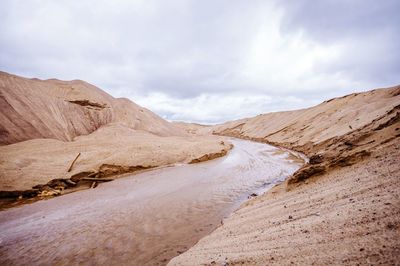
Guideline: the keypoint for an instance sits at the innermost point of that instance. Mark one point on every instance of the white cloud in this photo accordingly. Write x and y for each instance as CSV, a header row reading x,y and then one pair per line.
x,y
203,61
216,108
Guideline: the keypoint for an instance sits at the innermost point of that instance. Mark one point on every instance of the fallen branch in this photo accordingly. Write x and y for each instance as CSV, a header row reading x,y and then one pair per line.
x,y
97,179
70,182
72,164
93,174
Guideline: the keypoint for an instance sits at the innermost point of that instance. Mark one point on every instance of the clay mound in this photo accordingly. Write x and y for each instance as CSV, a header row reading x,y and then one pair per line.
x,y
306,127
63,110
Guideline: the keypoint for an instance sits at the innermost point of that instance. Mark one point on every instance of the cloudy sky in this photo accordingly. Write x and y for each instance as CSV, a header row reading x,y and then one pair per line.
x,y
207,61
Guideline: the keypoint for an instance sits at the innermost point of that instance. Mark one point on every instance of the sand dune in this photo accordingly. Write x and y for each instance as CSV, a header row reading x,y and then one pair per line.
x,y
63,110
341,208
302,128
47,123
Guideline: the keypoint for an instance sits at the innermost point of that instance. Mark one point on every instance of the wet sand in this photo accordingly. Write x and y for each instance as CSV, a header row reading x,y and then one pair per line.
x,y
145,219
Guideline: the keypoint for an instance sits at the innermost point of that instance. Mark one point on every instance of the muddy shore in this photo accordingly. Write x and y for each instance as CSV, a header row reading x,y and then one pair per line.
x,y
342,208
145,219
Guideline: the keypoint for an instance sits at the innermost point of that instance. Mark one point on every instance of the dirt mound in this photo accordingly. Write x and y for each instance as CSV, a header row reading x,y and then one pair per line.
x,y
111,150
340,208
63,110
303,129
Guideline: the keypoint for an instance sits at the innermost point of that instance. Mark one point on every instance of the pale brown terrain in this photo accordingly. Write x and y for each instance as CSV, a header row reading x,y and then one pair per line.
x,y
33,108
311,126
110,150
342,208
46,124
349,216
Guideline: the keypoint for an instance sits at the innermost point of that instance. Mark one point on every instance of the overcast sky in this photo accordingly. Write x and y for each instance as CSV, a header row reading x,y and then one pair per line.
x,y
207,61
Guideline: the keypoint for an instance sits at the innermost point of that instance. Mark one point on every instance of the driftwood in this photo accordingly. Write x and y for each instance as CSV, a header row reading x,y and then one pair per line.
x,y
93,174
97,179
72,164
70,182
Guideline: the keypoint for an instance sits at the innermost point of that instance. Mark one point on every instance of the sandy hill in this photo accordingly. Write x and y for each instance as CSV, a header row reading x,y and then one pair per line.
x,y
45,124
302,129
341,208
33,108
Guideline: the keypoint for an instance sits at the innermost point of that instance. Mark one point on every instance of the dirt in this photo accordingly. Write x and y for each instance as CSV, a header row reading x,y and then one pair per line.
x,y
342,208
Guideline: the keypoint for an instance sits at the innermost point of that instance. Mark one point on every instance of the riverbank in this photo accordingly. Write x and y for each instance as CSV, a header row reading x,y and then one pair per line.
x,y
348,215
142,219
43,168
342,208
58,137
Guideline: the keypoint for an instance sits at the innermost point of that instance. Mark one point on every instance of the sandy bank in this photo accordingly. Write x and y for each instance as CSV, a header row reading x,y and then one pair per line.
x,y
46,124
347,216
341,208
142,219
111,150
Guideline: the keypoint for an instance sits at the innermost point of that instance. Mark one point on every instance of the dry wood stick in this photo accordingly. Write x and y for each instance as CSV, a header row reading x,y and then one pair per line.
x,y
70,182
72,164
94,184
97,179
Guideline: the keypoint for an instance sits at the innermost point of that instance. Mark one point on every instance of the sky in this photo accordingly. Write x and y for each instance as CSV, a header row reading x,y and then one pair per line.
x,y
207,61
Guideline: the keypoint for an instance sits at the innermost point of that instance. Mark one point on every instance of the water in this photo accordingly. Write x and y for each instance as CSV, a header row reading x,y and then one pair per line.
x,y
143,219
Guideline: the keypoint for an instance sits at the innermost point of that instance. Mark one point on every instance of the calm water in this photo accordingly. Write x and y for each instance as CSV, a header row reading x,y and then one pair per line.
x,y
143,219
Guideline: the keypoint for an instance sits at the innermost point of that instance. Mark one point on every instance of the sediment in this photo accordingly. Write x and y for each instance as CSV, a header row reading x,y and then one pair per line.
x,y
341,208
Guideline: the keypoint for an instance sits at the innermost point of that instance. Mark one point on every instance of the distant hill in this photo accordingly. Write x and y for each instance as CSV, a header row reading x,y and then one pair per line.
x,y
63,110
305,128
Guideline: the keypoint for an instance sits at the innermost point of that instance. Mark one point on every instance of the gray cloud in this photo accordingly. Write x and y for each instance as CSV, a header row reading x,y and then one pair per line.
x,y
206,61
367,30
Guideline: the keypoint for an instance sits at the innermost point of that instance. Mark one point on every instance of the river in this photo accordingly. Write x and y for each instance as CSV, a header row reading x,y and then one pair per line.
x,y
142,219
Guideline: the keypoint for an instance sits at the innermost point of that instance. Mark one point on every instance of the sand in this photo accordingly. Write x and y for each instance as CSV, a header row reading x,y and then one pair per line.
x,y
342,208
45,124
142,219
33,162
332,118
63,110
348,216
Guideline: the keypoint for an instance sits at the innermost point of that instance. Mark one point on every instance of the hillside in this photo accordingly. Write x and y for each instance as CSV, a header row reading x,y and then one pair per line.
x,y
57,134
303,129
63,110
341,208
